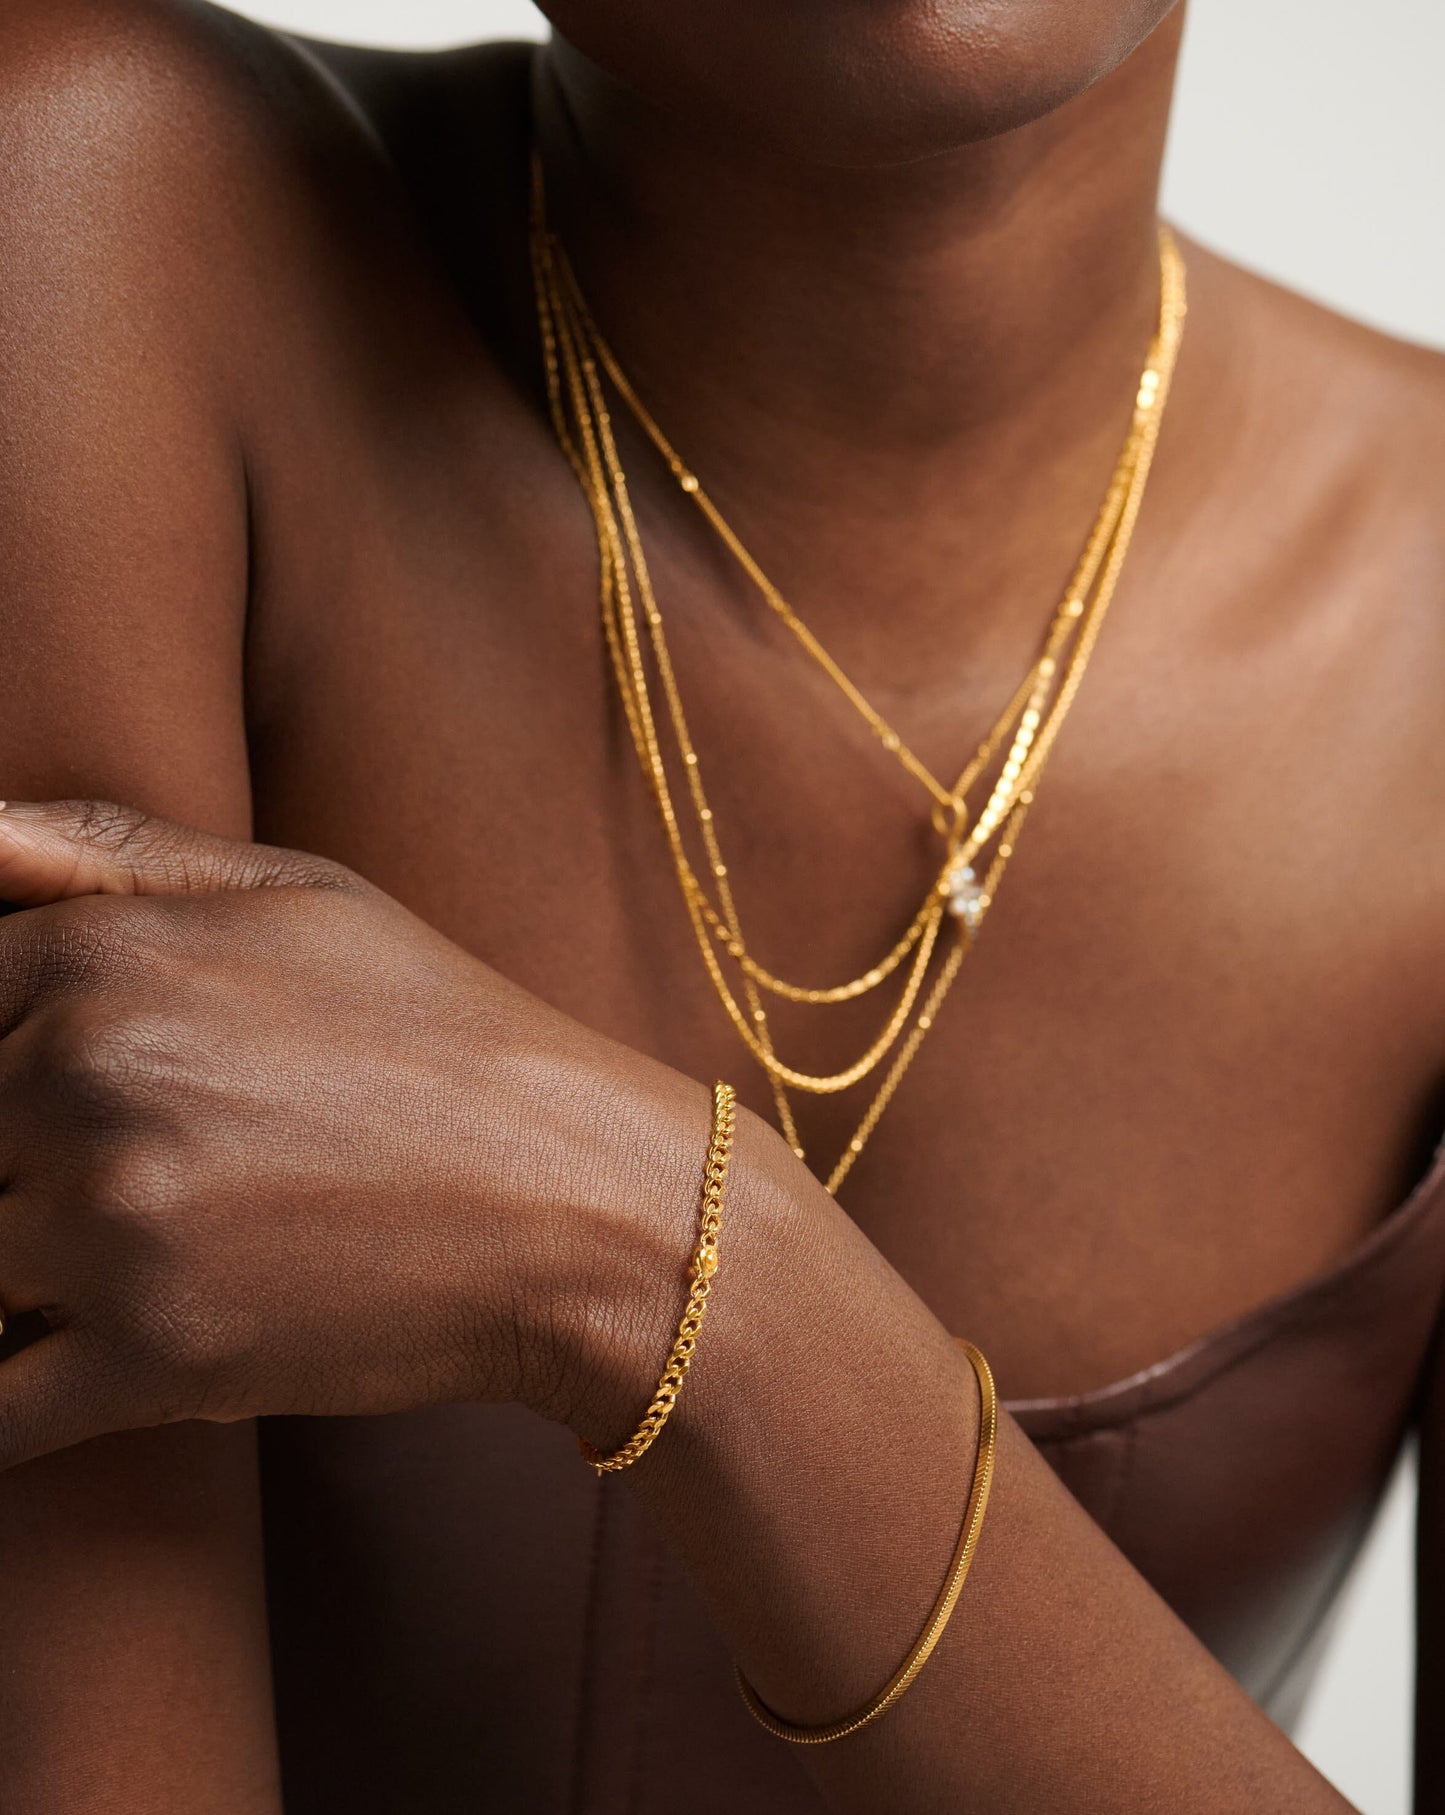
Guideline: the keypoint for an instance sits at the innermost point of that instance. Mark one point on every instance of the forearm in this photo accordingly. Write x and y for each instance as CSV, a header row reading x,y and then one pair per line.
x,y
813,1480
135,1677
487,1200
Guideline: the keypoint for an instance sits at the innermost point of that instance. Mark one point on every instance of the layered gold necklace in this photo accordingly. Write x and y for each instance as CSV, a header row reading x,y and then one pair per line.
x,y
581,372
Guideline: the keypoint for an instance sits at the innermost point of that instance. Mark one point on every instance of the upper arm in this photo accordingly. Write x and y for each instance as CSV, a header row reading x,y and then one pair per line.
x,y
164,226
123,535
135,1671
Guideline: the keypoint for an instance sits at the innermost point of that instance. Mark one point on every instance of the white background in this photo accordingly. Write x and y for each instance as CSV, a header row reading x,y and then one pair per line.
x,y
1309,141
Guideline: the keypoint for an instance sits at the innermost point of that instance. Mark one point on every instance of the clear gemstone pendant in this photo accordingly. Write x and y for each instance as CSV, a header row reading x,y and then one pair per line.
x,y
966,898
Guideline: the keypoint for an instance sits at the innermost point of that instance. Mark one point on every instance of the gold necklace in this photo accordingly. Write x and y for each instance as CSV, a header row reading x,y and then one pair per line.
x,y
577,358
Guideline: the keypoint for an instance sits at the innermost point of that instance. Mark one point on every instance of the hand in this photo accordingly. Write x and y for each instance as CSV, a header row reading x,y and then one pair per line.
x,y
270,1144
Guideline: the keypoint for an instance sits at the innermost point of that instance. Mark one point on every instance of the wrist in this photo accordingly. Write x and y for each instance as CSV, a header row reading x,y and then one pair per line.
x,y
601,1318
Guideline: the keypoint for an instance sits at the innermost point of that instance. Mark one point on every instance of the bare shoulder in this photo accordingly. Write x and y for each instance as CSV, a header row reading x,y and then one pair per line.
x,y
111,88
1359,409
213,285
1312,519
139,145
125,120
1316,451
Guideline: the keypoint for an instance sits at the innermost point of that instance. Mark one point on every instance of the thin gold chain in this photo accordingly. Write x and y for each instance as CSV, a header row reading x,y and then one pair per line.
x,y
1017,758
576,360
635,682
648,745
916,1035
689,483
1036,684
750,1026
700,1277
559,339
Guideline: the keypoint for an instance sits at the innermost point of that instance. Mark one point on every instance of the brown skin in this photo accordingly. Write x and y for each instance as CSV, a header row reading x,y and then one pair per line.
x,y
850,83
907,382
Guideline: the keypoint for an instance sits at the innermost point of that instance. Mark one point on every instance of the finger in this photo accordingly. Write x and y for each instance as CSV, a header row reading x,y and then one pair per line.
x,y
54,850
49,1400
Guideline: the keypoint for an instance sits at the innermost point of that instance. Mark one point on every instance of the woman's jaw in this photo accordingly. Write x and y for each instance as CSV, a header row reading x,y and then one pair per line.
x,y
855,82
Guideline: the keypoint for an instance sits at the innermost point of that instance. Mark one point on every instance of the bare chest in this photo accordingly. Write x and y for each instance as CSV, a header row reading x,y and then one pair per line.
x,y
1184,1065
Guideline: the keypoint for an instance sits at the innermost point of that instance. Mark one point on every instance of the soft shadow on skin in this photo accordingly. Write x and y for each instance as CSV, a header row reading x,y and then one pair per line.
x,y
20,1331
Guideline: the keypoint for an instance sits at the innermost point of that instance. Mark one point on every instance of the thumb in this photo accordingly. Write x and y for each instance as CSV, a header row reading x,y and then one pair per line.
x,y
53,850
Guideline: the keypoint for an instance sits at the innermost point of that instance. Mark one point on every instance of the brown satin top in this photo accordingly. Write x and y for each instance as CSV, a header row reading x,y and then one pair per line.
x,y
466,1620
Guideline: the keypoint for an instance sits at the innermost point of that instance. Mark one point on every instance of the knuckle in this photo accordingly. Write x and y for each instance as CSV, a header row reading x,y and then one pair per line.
x,y
128,1232
135,1188
105,825
123,837
67,945
141,849
85,945
99,1067
136,844
80,1072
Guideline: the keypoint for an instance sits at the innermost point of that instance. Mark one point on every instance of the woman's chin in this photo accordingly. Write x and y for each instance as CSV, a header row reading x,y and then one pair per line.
x,y
856,83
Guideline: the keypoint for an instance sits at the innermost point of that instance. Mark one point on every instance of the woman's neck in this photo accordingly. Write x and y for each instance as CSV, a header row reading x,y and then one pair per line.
x,y
842,351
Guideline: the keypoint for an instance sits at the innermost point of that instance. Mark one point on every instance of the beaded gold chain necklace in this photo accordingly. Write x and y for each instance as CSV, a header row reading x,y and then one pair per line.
x,y
580,367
